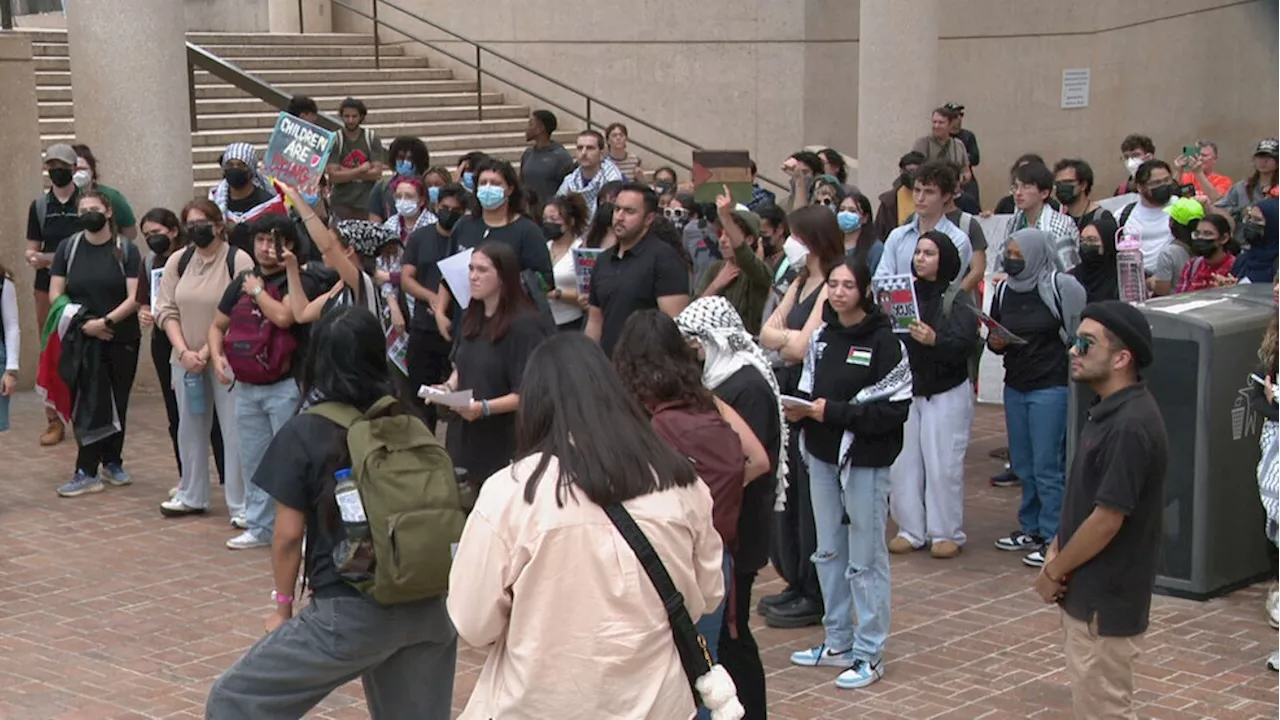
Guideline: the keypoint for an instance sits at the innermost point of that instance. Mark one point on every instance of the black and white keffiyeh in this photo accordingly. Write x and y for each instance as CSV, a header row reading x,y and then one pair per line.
x,y
366,238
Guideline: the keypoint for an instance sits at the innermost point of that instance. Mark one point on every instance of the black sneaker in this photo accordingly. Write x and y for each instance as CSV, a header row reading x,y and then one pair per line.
x,y
1019,542
802,612
768,602
1005,479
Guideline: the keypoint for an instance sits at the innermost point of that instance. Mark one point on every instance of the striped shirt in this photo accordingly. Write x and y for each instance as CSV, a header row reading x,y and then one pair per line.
x,y
628,166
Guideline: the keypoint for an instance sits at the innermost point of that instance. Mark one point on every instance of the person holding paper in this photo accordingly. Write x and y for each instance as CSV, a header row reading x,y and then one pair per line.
x,y
564,222
926,496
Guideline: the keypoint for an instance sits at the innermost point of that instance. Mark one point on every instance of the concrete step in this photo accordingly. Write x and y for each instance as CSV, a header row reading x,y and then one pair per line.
x,y
329,96
217,38
254,64
443,147
342,80
391,117
261,111
59,50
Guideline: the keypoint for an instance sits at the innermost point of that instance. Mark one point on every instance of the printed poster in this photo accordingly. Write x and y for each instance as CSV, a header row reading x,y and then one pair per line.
x,y
584,261
398,349
896,296
297,153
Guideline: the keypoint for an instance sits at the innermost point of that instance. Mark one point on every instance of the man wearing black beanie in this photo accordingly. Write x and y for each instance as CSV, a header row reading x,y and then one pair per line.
x,y
1102,566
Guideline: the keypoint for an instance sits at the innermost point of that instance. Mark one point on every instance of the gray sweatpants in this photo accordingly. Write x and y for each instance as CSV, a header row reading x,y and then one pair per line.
x,y
403,654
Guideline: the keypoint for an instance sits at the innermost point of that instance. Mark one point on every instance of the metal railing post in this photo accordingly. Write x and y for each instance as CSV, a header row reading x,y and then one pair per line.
x,y
588,112
377,44
302,28
6,14
191,92
479,88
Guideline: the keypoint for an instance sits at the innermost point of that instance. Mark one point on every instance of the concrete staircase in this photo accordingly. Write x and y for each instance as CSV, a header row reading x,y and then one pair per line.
x,y
405,97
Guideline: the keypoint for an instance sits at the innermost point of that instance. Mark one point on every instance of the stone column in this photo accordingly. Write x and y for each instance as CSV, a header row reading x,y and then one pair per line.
x,y
20,184
897,84
129,82
317,16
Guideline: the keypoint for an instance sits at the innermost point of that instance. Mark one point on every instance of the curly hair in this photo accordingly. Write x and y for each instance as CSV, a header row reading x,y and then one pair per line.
x,y
657,366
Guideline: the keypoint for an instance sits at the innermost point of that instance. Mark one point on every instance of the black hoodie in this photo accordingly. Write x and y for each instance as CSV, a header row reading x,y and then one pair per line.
x,y
942,366
849,359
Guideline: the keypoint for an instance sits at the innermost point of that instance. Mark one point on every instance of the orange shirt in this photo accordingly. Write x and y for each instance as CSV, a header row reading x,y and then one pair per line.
x,y
1221,183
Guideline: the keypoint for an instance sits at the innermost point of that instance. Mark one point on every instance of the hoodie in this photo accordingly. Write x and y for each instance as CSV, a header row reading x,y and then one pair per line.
x,y
942,366
1258,263
1097,273
862,373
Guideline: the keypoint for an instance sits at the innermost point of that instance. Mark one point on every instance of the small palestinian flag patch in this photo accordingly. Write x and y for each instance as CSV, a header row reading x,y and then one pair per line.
x,y
859,356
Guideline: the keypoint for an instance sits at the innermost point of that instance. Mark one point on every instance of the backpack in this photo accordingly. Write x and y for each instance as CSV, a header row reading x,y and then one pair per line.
x,y
42,206
717,456
1057,301
410,497
974,355
1124,215
190,253
258,351
122,245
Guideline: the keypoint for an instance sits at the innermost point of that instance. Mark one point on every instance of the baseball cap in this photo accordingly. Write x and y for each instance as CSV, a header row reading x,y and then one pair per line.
x,y
751,219
61,152
1269,147
1184,210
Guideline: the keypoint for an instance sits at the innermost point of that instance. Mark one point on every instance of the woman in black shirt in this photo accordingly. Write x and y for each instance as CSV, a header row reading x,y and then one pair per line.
x,y
98,269
500,330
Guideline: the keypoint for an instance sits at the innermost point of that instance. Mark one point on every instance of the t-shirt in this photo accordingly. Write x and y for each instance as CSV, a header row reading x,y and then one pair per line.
x,y
1042,362
621,285
749,394
566,278
971,227
97,282
628,165
1151,224
61,220
543,169
522,234
351,154
952,149
299,463
1198,274
279,281
425,248
1221,183
1172,259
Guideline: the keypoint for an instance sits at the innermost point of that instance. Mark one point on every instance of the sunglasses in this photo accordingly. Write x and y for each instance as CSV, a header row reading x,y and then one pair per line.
x,y
827,201
675,213
1082,345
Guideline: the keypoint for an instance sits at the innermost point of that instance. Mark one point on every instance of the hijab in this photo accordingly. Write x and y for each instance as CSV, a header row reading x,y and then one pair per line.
x,y
1061,293
929,292
1098,274
1258,262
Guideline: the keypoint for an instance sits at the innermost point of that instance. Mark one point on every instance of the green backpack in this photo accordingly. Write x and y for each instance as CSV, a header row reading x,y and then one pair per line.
x,y
974,355
410,497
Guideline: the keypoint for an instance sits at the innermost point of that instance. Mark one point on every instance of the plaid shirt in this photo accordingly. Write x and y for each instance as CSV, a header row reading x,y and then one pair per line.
x,y
761,197
1066,237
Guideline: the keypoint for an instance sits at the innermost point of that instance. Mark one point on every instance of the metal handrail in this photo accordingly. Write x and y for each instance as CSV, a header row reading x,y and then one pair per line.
x,y
590,100
198,57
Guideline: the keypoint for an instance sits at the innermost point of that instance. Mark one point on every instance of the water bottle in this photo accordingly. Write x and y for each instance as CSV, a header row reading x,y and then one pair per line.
x,y
193,387
353,557
1130,270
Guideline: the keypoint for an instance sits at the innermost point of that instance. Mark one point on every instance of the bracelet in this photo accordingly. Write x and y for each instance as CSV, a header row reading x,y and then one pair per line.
x,y
484,408
309,218
281,599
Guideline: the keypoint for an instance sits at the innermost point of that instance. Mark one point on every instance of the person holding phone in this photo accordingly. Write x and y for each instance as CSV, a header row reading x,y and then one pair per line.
x,y
1197,163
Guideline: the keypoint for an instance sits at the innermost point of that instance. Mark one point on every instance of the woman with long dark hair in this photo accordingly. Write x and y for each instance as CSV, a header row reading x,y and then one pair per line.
x,y
405,653
500,329
584,445
564,221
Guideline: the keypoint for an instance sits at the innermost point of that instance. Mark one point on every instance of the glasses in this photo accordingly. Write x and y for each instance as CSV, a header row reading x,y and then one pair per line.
x,y
1082,345
1202,236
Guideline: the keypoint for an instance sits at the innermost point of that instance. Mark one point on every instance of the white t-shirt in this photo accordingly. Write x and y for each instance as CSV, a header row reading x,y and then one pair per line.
x,y
1151,226
566,280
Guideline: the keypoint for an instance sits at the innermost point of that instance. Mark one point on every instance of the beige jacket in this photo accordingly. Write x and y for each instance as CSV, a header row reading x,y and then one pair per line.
x,y
194,299
573,626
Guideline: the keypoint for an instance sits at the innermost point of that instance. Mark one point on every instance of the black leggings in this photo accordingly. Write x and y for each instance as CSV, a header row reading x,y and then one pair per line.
x,y
119,367
161,349
741,656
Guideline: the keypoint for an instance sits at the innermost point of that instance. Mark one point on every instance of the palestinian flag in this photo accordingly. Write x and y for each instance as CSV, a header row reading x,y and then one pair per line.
x,y
49,384
713,169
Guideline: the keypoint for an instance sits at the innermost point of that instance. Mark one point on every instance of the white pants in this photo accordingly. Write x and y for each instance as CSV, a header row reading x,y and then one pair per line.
x,y
926,482
193,443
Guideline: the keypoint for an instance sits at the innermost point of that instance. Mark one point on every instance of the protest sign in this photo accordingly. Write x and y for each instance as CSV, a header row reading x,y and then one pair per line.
x,y
297,153
896,296
156,275
584,261
714,169
1116,204
398,348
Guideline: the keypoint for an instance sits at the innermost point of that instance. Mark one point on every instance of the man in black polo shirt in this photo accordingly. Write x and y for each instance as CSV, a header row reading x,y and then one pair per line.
x,y
1102,565
639,273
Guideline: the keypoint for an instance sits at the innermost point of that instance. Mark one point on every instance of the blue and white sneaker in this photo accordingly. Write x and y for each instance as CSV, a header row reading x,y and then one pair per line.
x,y
822,656
114,474
81,484
860,675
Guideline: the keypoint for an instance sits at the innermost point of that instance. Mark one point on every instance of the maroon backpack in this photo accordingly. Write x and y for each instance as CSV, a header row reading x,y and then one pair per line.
x,y
716,453
259,352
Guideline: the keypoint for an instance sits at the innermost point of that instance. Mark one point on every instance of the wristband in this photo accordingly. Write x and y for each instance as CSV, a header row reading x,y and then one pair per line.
x,y
281,599
484,408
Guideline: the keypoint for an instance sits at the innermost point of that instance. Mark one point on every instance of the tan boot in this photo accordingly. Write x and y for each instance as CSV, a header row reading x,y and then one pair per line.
x,y
944,549
900,546
53,434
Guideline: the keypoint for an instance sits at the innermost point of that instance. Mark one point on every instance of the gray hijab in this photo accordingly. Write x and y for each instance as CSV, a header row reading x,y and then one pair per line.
x,y
1061,293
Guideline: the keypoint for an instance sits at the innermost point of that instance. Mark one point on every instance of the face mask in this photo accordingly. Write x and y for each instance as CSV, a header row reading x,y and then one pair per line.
x,y
1251,233
664,187
491,197
469,181
311,199
1090,255
93,221
404,167
82,179
1203,248
1160,194
794,250
1131,165
552,231
201,234
60,177
433,195
236,177
448,218
1014,266
407,207
1066,193
159,243
849,221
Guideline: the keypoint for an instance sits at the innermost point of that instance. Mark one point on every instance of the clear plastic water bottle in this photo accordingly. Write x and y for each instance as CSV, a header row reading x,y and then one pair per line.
x,y
353,557
193,387
1130,270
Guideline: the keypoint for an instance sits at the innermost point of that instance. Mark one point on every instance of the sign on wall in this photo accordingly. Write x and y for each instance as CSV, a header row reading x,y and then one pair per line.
x,y
1075,88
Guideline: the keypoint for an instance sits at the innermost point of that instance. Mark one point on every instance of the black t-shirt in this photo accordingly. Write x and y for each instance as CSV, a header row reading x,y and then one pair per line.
x,y
490,370
747,392
1042,362
97,282
1120,463
239,236
279,281
61,221
620,286
297,468
426,247
522,234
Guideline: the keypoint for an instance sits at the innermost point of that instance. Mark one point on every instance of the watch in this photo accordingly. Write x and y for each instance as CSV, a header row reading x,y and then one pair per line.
x,y
257,291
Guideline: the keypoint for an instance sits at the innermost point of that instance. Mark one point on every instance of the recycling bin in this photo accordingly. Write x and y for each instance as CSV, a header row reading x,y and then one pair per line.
x,y
1205,346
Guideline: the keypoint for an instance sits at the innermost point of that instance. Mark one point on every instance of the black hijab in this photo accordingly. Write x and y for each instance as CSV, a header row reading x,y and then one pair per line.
x,y
929,292
1097,273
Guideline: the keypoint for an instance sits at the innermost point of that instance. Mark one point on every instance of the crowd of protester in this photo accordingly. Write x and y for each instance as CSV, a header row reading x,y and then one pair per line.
x,y
728,383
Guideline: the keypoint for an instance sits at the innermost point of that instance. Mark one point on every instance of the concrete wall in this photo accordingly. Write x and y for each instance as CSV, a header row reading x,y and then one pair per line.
x,y
227,15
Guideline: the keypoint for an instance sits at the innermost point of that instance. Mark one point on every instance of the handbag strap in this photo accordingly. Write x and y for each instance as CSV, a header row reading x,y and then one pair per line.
x,y
689,642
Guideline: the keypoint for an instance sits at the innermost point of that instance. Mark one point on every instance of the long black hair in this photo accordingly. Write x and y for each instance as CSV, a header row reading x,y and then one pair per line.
x,y
346,360
573,408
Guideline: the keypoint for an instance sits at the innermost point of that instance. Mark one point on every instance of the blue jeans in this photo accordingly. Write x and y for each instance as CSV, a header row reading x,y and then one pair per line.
x,y
709,626
852,560
261,410
1036,423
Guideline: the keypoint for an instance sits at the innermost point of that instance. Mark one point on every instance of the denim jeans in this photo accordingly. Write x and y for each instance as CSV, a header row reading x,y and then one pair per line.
x,y
1036,423
709,625
261,410
853,559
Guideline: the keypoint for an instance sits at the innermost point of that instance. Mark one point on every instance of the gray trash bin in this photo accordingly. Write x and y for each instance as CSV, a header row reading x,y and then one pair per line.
x,y
1205,347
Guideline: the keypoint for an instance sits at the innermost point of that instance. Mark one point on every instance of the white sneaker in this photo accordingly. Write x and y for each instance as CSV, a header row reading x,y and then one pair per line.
x,y
176,508
1273,662
239,522
247,541
822,656
173,492
1273,607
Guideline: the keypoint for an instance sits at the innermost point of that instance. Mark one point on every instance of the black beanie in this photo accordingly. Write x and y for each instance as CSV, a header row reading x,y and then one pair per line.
x,y
1125,322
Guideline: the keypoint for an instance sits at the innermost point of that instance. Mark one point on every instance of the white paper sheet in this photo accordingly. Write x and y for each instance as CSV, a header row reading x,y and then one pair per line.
x,y
457,399
791,401
156,274
456,270
1115,204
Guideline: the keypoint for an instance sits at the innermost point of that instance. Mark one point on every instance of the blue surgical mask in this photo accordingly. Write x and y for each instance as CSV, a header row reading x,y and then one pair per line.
x,y
469,181
433,195
491,197
311,198
404,167
849,221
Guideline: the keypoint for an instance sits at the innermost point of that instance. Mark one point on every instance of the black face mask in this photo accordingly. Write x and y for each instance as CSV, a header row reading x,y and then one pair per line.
x,y
1203,248
552,231
159,243
1066,193
60,177
1014,266
1090,256
1251,233
448,218
237,178
93,221
1161,194
201,234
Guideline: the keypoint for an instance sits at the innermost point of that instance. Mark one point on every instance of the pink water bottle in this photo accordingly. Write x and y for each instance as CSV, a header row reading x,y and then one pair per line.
x,y
1131,272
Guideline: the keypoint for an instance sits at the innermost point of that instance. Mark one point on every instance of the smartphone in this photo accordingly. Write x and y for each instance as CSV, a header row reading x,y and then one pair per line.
x,y
1190,151
279,245
1188,190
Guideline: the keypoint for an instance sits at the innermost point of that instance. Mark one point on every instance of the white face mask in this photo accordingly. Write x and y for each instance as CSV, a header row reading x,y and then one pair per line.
x,y
794,250
407,207
82,179
1132,164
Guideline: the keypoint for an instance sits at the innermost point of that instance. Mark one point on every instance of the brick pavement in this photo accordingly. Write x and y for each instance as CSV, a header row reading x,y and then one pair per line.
x,y
109,611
